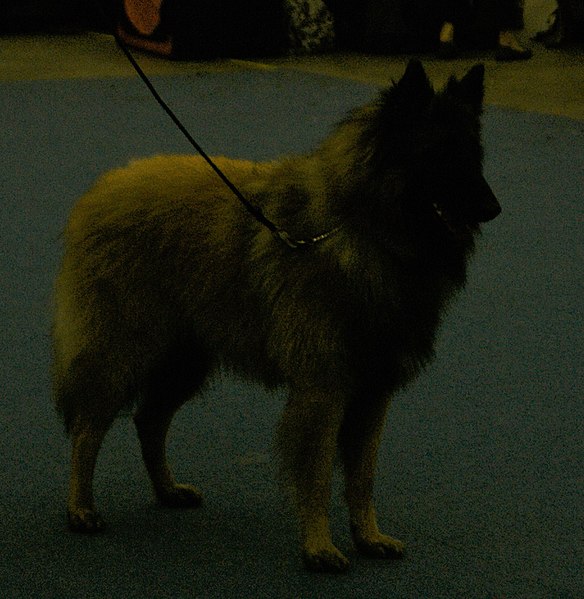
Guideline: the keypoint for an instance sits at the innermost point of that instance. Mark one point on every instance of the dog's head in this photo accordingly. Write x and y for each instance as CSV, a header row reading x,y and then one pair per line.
x,y
432,140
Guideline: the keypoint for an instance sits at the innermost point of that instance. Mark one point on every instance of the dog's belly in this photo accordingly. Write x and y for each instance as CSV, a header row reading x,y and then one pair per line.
x,y
237,346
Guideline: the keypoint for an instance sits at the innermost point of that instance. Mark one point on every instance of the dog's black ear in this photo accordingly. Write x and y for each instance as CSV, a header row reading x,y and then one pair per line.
x,y
471,88
414,86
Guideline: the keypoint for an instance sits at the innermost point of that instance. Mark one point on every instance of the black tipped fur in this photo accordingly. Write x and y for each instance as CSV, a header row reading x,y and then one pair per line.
x,y
165,279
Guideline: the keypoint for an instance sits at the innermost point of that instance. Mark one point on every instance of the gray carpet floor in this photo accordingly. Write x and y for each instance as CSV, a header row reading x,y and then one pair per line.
x,y
481,466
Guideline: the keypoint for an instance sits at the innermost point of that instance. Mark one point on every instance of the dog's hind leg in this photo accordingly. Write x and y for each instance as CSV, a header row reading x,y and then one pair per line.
x,y
87,437
307,440
170,385
89,404
152,424
359,441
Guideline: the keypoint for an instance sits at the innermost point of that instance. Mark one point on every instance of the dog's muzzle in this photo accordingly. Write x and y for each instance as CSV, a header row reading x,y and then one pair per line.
x,y
482,206
487,206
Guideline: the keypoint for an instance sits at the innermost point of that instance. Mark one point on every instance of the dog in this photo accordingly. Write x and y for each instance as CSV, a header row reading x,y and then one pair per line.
x,y
166,279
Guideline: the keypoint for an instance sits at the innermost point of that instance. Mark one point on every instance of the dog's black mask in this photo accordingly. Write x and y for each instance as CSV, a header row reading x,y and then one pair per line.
x,y
434,140
462,211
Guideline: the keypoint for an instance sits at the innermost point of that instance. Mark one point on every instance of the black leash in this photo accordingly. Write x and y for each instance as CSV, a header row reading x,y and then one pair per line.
x,y
254,210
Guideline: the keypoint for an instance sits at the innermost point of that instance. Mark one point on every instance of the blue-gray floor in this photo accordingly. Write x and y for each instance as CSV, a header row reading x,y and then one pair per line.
x,y
481,467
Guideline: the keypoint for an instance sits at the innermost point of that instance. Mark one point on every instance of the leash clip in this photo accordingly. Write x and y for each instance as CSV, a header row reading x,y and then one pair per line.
x,y
284,236
297,244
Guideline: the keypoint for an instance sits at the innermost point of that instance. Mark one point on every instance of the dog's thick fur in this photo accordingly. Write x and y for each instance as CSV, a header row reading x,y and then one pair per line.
x,y
166,278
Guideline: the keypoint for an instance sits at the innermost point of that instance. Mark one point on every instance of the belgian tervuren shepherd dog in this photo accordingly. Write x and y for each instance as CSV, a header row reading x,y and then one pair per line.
x,y
166,278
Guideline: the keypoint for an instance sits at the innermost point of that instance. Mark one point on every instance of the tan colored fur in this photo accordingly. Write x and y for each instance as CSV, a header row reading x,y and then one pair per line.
x,y
166,279
170,198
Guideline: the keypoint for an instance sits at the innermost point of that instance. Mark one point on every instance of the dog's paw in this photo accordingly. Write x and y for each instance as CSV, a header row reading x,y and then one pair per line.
x,y
380,547
85,520
181,496
328,559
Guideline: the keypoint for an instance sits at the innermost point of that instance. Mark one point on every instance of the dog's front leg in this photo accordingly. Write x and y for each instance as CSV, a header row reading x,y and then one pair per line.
x,y
307,440
359,440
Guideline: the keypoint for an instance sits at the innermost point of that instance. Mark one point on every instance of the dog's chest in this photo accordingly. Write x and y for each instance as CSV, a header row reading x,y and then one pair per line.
x,y
394,333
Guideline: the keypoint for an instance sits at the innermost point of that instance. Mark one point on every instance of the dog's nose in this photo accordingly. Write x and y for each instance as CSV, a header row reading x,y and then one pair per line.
x,y
488,206
490,212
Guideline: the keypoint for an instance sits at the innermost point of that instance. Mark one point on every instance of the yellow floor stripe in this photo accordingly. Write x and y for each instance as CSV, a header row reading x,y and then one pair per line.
x,y
261,66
